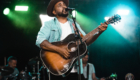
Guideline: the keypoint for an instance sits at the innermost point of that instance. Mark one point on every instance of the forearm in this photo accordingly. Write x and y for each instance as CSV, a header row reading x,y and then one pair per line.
x,y
48,46
93,38
99,29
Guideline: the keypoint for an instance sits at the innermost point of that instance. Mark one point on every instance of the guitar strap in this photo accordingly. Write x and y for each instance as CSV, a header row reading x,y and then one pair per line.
x,y
75,30
87,71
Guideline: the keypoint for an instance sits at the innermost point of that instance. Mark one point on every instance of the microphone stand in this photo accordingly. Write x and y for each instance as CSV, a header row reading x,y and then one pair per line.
x,y
77,36
38,74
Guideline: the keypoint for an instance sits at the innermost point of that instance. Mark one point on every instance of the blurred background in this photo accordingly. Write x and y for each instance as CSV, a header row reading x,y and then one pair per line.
x,y
117,50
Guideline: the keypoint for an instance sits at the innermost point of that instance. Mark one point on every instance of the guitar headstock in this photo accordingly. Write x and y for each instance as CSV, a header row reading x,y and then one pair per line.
x,y
114,19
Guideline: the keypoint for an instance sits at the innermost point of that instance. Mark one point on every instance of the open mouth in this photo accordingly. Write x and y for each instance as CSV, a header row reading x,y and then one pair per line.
x,y
64,11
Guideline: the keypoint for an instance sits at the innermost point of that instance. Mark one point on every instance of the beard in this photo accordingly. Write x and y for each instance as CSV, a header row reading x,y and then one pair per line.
x,y
62,14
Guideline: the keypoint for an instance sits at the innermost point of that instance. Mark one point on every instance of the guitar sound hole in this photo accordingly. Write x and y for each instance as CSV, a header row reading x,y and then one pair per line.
x,y
72,46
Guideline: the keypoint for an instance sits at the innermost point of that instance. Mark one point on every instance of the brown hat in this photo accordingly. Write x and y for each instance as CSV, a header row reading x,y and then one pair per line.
x,y
51,6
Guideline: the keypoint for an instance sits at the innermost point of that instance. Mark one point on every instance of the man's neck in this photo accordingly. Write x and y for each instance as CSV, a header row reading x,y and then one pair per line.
x,y
62,19
84,64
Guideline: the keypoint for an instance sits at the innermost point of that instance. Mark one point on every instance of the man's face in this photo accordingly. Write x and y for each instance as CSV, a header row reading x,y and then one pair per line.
x,y
13,63
85,59
59,9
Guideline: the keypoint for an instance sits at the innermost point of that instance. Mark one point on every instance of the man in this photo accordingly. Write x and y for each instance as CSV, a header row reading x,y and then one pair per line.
x,y
57,29
88,67
12,62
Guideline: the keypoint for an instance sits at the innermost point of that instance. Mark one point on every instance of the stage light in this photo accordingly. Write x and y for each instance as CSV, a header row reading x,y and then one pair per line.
x,y
45,18
6,11
123,12
74,13
106,18
85,21
21,8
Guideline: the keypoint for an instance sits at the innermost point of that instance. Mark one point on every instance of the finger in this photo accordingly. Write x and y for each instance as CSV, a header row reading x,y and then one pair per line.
x,y
66,54
66,57
105,26
104,29
101,23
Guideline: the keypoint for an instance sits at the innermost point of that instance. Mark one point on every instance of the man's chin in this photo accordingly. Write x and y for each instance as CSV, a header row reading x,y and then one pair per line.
x,y
64,15
13,67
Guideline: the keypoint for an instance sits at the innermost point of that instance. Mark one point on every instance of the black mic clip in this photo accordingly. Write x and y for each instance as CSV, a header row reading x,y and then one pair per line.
x,y
69,9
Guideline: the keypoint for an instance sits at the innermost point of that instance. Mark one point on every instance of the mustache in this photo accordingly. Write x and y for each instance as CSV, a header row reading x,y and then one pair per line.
x,y
64,9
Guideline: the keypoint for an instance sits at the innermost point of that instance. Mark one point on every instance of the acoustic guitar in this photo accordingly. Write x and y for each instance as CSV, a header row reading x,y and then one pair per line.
x,y
56,63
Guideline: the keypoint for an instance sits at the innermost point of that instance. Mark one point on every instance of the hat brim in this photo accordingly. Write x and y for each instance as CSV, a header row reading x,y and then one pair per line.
x,y
51,6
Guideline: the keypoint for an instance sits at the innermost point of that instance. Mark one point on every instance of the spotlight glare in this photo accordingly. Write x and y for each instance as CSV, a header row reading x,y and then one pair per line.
x,y
6,11
123,12
106,18
45,18
21,8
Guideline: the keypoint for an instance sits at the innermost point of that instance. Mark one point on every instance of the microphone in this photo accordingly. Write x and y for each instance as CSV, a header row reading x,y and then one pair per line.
x,y
69,9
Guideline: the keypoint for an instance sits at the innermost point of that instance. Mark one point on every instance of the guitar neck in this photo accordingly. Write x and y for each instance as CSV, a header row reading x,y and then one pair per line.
x,y
96,31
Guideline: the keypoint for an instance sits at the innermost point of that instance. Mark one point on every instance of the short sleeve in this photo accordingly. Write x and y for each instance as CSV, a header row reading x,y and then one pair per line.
x,y
43,34
92,68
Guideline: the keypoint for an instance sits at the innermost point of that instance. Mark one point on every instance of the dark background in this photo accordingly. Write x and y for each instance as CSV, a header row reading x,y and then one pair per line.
x,y
110,53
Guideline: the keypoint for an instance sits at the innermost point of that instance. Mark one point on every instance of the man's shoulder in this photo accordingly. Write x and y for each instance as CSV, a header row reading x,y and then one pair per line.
x,y
90,64
49,21
16,69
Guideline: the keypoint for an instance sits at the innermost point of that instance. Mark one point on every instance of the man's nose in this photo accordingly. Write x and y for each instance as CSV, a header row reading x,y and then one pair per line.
x,y
64,6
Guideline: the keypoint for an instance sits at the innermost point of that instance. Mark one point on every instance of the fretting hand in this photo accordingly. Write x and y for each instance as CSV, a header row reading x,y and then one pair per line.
x,y
103,27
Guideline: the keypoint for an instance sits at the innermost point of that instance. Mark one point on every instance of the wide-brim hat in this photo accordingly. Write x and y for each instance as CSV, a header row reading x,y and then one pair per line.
x,y
51,6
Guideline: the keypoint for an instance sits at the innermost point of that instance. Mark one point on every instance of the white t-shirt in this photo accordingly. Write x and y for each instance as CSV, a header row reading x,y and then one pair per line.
x,y
66,30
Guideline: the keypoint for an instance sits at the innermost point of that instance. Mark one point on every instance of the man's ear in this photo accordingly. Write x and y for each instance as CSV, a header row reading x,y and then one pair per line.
x,y
54,12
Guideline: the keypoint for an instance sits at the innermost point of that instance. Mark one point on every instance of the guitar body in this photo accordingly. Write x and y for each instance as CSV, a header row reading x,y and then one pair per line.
x,y
56,63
